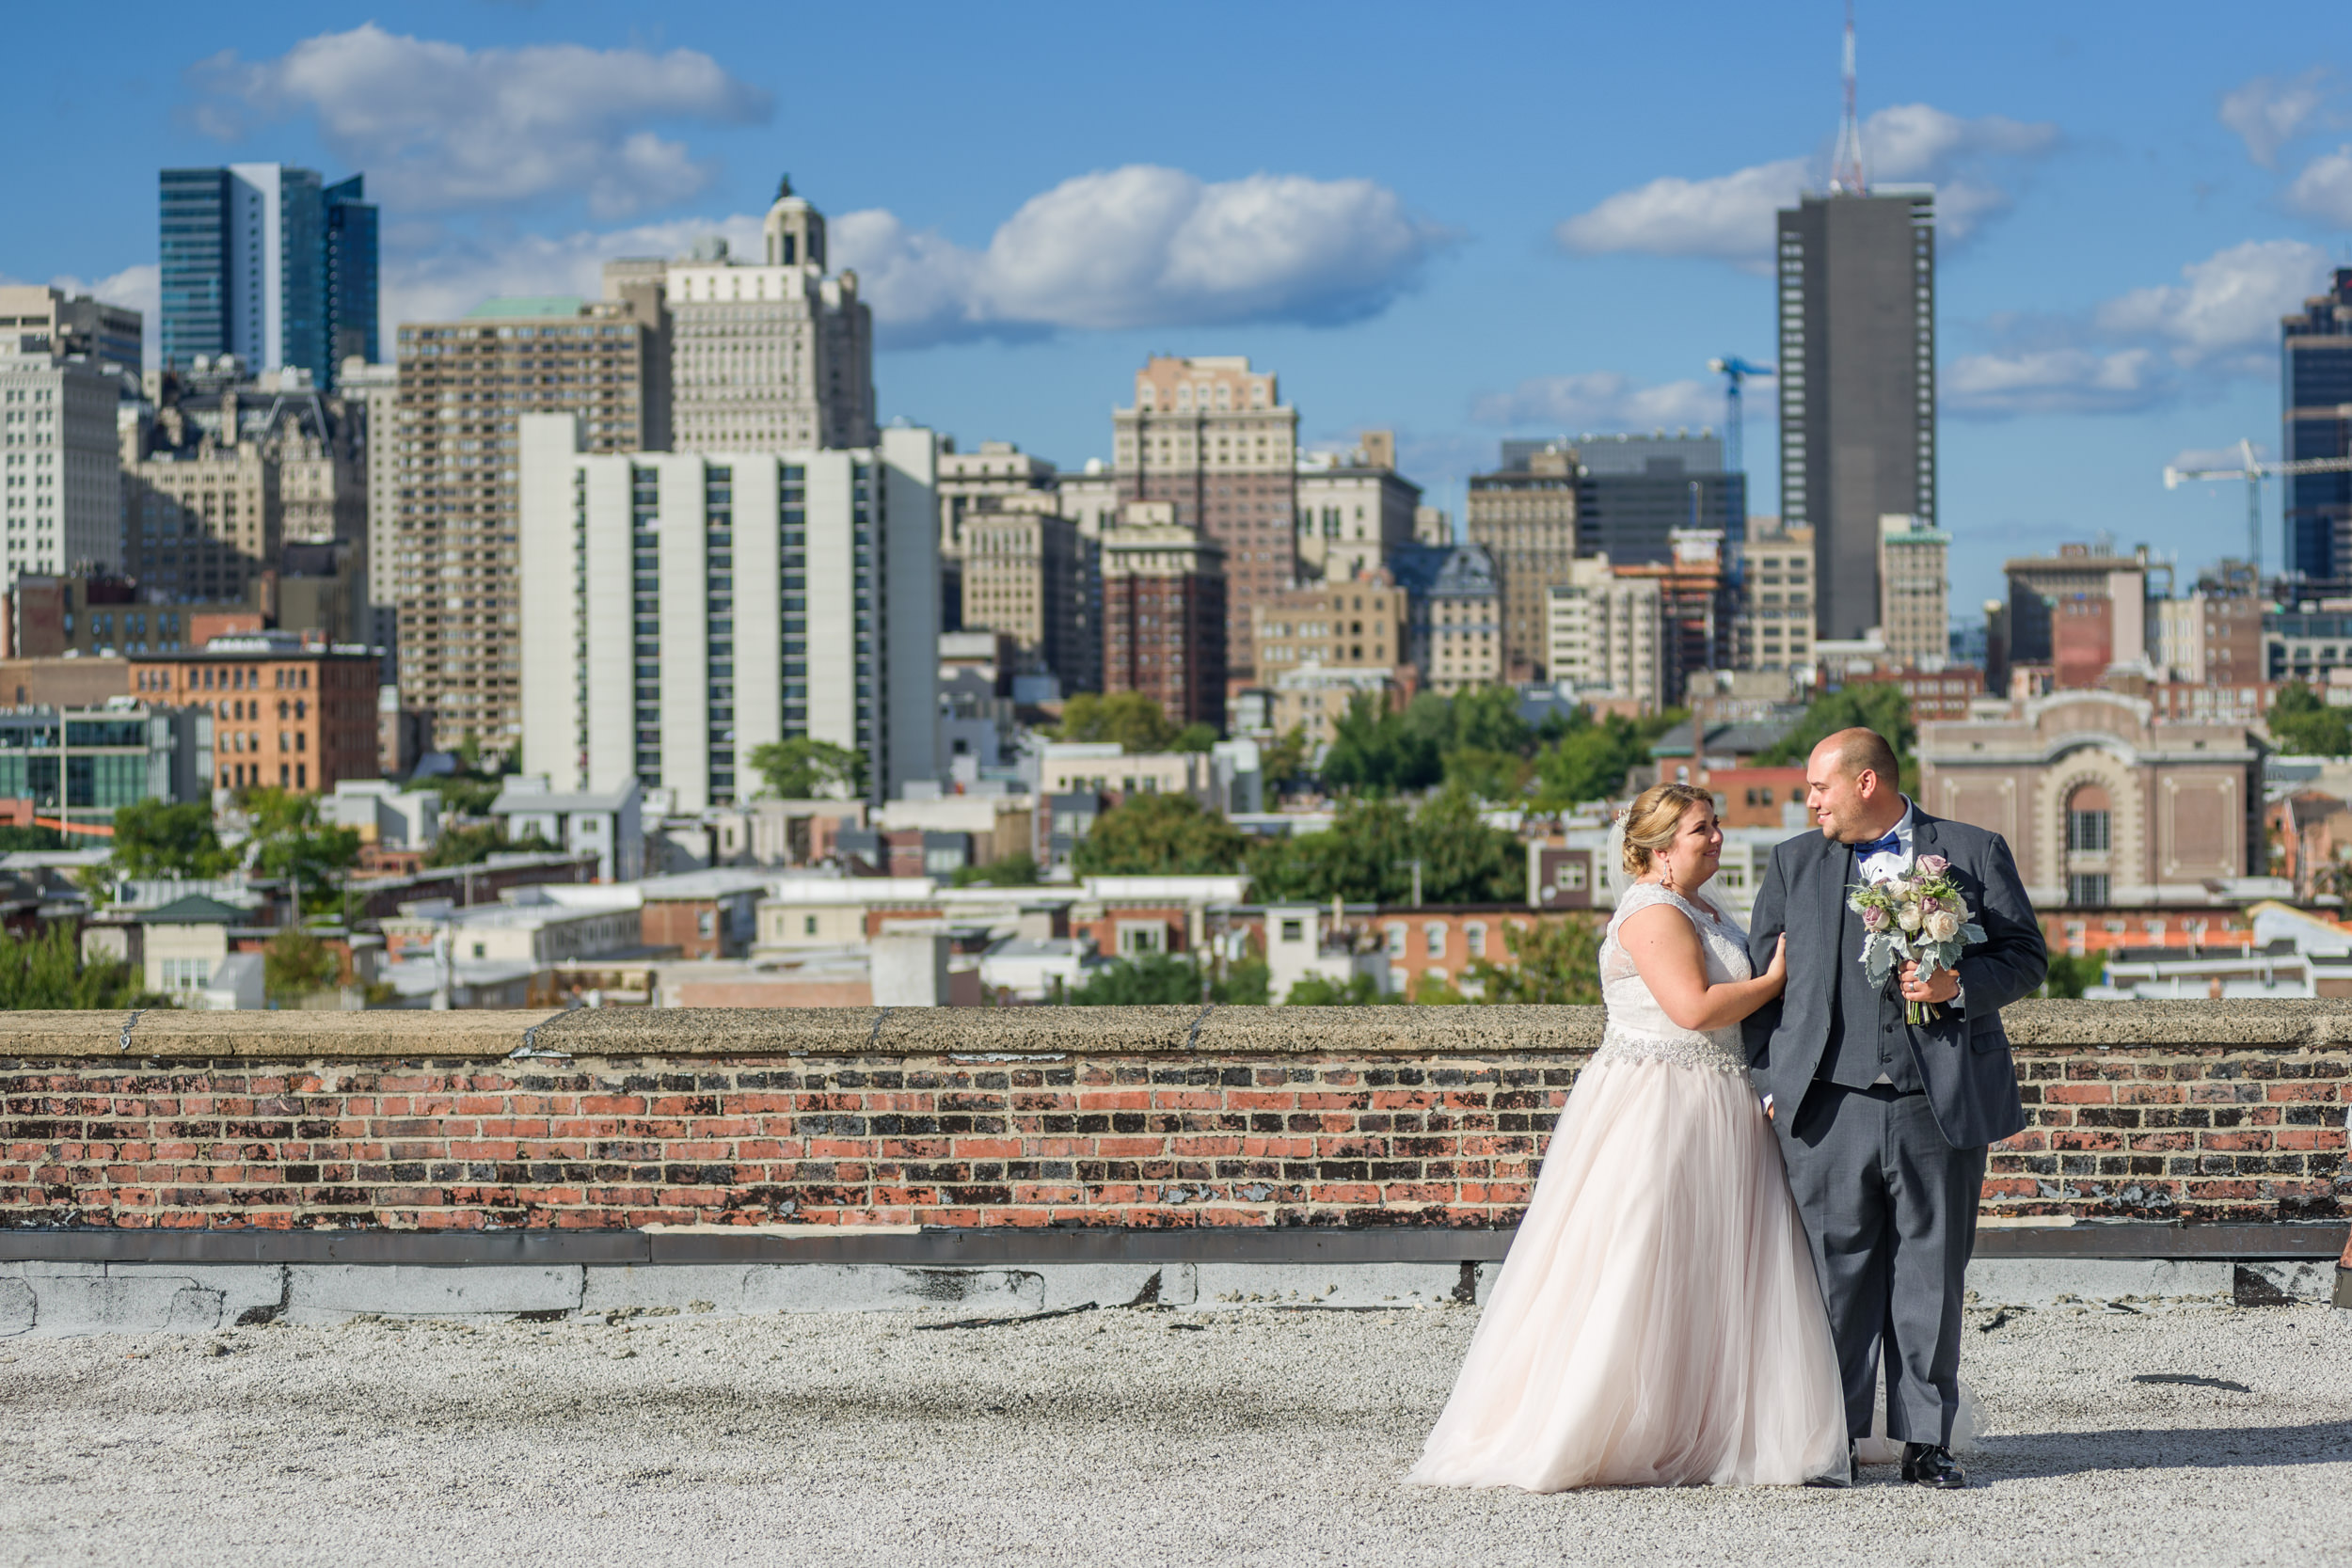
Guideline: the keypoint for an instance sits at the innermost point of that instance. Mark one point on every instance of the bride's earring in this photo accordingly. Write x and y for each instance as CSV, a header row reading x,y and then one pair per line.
x,y
1665,873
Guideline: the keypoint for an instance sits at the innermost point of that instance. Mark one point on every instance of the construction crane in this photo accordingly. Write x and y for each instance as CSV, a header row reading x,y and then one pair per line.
x,y
2253,471
1734,370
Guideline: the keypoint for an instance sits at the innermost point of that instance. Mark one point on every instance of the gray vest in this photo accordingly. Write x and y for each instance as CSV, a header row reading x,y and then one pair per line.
x,y
1866,1033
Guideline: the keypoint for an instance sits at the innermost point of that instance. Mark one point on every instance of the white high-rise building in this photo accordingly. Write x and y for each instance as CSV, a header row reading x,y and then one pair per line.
x,y
771,355
1605,634
681,610
60,474
376,390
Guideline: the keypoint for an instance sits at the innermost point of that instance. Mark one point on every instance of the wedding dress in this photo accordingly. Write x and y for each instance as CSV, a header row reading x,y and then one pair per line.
x,y
1658,1322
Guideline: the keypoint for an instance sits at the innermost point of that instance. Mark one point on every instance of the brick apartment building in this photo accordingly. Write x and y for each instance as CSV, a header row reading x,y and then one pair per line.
x,y
299,718
1164,615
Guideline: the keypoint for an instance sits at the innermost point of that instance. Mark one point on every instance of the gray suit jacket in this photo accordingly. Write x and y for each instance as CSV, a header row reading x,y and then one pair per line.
x,y
1964,1059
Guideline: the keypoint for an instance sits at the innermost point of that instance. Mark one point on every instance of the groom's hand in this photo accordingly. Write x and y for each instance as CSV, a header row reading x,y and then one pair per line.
x,y
1940,986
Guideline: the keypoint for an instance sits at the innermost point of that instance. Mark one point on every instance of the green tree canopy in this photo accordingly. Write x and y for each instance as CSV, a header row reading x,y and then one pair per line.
x,y
1150,980
1129,717
296,963
289,841
2301,723
1284,761
804,770
1195,738
1019,870
471,846
1147,835
1878,706
156,838
1557,961
1589,760
1366,855
47,971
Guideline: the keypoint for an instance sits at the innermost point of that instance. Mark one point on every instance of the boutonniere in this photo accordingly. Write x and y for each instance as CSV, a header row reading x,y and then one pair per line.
x,y
1919,917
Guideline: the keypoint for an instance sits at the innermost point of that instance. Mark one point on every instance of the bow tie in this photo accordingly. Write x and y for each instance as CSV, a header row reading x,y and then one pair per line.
x,y
1890,845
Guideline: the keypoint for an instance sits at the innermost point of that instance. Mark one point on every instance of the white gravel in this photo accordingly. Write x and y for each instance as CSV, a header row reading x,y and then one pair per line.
x,y
1106,1437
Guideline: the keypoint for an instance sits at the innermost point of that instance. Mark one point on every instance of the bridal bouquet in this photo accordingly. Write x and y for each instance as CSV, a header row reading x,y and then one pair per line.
x,y
1920,916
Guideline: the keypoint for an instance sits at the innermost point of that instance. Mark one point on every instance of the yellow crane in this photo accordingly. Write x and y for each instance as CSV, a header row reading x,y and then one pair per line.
x,y
2253,471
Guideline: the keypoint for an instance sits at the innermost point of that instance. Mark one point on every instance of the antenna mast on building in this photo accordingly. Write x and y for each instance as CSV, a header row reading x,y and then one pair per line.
x,y
1845,170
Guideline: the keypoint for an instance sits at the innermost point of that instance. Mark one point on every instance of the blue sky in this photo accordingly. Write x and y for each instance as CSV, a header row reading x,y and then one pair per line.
x,y
1462,222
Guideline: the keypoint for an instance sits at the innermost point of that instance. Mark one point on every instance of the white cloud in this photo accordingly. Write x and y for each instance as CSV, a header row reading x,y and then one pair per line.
x,y
2270,111
1604,400
2052,381
2324,189
2149,346
1136,246
2218,457
1146,247
438,126
2229,307
1729,217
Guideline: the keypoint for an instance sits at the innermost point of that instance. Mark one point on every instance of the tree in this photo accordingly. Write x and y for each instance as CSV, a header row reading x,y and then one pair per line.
x,y
463,796
1488,775
1878,706
1130,717
1558,962
474,844
1195,738
1012,871
2067,975
1367,853
1462,860
1247,984
156,838
1284,761
13,838
1315,990
1379,751
1486,718
47,971
1159,835
1589,761
2301,723
296,963
804,770
289,841
1150,980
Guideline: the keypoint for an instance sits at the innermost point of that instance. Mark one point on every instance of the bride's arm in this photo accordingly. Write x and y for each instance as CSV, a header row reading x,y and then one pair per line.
x,y
1664,948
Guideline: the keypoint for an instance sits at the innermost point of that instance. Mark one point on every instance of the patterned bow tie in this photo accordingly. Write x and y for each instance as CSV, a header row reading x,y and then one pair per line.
x,y
1887,846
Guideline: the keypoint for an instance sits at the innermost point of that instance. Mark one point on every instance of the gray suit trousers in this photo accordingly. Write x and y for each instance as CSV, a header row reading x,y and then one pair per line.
x,y
1891,1211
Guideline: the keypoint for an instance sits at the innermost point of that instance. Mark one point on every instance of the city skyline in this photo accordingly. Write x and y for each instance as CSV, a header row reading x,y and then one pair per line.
x,y
2120,227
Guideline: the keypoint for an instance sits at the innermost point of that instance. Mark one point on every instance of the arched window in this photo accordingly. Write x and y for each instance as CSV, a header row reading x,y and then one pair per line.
x,y
2088,820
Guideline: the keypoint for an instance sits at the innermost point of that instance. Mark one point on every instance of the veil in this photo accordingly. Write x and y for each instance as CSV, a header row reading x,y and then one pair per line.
x,y
1713,892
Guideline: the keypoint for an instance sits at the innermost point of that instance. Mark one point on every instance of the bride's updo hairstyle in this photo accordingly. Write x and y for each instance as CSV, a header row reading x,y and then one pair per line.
x,y
1650,822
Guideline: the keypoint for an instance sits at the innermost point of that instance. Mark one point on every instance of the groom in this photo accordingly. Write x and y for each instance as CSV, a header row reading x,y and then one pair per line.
x,y
1884,1124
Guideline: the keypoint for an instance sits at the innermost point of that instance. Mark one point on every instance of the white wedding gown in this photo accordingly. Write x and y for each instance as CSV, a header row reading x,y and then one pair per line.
x,y
1658,1322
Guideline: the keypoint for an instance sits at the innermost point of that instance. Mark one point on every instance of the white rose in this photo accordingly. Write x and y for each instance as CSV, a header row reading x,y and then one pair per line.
x,y
1943,926
1908,917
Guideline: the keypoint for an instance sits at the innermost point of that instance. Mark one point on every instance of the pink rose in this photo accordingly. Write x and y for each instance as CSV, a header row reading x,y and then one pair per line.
x,y
1929,904
1874,919
1934,865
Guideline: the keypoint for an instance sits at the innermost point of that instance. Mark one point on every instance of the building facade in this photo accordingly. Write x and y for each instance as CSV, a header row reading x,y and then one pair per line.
x,y
284,713
767,597
1454,615
1210,440
1027,574
267,263
372,391
106,334
1698,606
1607,635
1524,516
60,484
2315,350
2110,594
1341,625
203,524
1634,492
2102,801
1165,621
1775,630
1914,593
82,764
464,387
770,356
1354,510
998,473
1857,386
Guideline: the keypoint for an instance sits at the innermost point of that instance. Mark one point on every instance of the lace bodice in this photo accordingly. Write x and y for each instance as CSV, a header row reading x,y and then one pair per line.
x,y
1638,1026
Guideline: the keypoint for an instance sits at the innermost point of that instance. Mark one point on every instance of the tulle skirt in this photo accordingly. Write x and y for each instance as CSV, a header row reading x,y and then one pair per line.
x,y
1658,1322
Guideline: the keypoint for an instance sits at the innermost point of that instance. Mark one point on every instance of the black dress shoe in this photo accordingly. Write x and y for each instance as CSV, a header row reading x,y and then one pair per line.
x,y
1932,1465
1842,1477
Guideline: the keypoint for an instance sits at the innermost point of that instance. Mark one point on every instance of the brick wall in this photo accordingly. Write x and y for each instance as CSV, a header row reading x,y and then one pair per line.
x,y
1399,1130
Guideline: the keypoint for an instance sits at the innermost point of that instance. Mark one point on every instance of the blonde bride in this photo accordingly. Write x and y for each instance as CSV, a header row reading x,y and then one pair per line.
x,y
1658,1322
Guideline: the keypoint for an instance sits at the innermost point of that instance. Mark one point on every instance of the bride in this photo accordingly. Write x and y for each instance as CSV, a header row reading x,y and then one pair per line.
x,y
1657,1322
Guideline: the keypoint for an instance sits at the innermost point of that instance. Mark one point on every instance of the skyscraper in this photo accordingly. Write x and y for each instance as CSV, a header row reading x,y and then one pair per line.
x,y
1857,384
769,356
2316,388
1210,438
265,261
1633,492
1524,513
462,387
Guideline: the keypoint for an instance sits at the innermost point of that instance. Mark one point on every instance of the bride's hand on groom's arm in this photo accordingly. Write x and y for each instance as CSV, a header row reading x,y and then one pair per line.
x,y
1777,971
